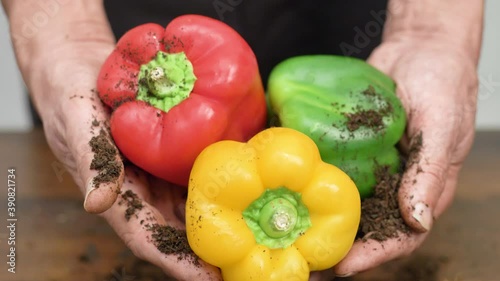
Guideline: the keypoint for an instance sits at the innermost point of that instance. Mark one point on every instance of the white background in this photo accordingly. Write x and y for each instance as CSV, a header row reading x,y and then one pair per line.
x,y
14,114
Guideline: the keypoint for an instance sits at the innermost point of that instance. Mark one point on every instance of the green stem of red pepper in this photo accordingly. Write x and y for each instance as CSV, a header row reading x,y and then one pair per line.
x,y
166,81
277,217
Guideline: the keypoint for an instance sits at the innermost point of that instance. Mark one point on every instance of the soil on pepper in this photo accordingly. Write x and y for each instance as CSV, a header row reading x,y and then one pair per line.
x,y
105,159
368,118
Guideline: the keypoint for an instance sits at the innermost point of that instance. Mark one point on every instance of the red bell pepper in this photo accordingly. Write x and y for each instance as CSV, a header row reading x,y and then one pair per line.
x,y
175,91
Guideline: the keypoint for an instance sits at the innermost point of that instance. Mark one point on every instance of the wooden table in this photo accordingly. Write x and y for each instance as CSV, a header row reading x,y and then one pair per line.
x,y
57,240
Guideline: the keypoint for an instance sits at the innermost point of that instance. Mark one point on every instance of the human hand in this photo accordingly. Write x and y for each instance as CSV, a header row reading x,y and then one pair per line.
x,y
68,106
149,201
437,84
62,82
59,61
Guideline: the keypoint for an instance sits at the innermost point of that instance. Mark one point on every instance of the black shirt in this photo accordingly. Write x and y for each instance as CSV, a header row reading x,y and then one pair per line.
x,y
275,29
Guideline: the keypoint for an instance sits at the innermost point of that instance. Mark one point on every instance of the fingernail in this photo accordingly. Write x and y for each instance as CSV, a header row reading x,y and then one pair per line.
x,y
90,187
98,199
422,214
346,274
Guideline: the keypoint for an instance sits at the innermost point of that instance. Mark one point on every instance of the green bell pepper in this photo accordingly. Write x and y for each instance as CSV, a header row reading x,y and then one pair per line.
x,y
346,106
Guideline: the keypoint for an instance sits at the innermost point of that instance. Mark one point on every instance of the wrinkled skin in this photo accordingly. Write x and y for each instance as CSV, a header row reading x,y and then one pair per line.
x,y
438,87
67,124
164,202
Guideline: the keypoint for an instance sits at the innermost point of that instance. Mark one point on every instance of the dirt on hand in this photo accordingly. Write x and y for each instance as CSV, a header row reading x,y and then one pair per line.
x,y
134,204
167,239
105,160
170,240
380,214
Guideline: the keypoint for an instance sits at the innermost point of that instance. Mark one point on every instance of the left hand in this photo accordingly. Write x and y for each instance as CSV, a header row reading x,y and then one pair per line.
x,y
438,86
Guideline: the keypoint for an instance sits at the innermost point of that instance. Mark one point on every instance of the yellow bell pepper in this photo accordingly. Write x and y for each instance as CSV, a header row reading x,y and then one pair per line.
x,y
270,209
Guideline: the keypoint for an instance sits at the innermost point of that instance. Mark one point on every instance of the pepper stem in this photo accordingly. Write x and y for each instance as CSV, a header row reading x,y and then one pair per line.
x,y
277,217
157,73
166,80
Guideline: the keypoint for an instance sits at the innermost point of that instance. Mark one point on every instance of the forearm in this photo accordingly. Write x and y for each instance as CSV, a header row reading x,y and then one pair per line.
x,y
457,23
41,29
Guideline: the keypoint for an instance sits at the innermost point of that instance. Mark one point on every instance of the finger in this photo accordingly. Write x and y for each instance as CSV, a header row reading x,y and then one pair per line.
x,y
100,197
137,232
424,179
99,167
368,254
448,193
169,199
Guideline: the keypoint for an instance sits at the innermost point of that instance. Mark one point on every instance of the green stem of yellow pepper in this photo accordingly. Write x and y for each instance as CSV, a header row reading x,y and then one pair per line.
x,y
277,217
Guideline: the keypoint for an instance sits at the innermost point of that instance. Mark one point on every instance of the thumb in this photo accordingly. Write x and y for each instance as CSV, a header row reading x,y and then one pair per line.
x,y
101,165
428,142
82,140
424,180
104,173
